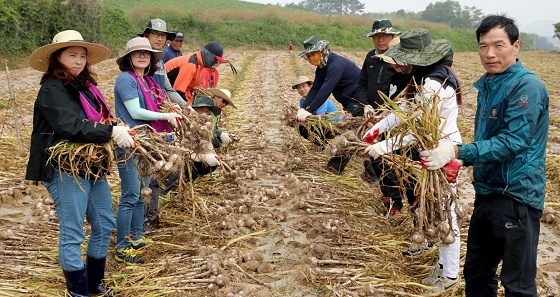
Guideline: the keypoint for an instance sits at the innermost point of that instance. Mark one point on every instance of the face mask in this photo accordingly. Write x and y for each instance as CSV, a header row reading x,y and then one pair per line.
x,y
314,58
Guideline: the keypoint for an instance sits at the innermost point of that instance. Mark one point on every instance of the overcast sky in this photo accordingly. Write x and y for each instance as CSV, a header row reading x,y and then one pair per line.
x,y
524,11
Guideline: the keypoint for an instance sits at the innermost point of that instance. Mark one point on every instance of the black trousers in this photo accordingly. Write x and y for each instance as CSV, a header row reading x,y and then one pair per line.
x,y
151,208
337,162
388,180
502,229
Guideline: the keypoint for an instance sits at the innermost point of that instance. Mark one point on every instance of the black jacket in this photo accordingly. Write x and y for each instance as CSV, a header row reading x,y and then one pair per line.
x,y
58,114
377,75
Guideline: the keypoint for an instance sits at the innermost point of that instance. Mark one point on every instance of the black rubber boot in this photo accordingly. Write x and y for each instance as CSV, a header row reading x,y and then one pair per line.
x,y
76,283
96,274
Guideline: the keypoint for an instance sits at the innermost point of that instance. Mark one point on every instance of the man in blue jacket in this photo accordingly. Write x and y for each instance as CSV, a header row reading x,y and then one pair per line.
x,y
334,75
508,157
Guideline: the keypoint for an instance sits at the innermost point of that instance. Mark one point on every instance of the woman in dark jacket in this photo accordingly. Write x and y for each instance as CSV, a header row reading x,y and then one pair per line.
x,y
70,107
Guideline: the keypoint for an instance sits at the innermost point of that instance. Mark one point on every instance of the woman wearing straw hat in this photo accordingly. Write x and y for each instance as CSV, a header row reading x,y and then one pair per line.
x,y
428,63
137,98
70,106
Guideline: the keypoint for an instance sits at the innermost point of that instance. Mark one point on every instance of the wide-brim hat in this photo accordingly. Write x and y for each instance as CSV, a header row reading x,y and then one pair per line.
x,y
394,41
417,47
382,26
157,25
205,101
139,44
224,94
300,80
313,44
96,53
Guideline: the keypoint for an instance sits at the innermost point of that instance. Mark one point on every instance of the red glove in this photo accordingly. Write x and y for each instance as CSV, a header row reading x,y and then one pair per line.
x,y
370,137
451,170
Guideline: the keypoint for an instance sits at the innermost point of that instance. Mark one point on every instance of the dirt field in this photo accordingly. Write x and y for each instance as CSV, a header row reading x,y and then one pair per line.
x,y
284,227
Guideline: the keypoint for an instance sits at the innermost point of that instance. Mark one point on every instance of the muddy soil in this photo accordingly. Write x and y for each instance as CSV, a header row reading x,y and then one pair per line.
x,y
283,227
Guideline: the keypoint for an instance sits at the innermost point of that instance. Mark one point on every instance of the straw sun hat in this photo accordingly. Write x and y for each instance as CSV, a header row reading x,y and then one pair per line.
x,y
300,80
223,93
96,53
139,44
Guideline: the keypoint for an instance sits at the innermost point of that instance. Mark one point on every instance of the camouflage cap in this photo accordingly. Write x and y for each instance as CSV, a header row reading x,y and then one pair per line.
x,y
417,47
313,44
382,26
205,101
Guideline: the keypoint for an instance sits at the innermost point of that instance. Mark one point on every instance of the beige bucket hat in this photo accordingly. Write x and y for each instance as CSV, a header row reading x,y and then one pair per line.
x,y
139,44
223,93
300,80
96,53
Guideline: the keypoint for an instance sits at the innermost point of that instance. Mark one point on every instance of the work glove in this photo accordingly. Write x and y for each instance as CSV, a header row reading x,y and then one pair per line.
x,y
190,108
175,107
451,170
368,110
210,159
302,114
225,138
376,150
172,118
371,135
121,136
438,157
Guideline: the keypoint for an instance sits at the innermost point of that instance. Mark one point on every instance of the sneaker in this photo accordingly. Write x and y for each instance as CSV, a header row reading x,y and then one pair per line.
x,y
128,255
393,213
443,283
435,273
139,243
371,179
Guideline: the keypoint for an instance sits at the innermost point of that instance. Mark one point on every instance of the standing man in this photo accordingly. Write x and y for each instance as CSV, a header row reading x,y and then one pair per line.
x,y
173,50
378,75
508,157
156,32
334,75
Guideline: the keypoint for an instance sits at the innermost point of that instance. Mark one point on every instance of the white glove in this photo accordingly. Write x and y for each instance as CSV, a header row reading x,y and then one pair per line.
x,y
371,135
172,118
175,107
368,109
302,114
190,108
376,150
438,157
225,138
121,137
211,160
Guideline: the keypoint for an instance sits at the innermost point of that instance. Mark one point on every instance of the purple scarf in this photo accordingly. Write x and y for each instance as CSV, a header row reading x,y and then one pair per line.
x,y
153,98
92,114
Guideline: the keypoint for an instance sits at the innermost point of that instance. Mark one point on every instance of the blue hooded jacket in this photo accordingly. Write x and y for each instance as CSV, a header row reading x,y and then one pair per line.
x,y
511,132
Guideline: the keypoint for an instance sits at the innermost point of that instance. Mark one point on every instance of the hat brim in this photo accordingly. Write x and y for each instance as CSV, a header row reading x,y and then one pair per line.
x,y
158,55
299,83
315,48
219,93
220,59
425,57
96,53
382,30
170,35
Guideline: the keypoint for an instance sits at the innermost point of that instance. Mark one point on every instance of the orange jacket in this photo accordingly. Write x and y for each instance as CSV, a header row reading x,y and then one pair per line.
x,y
209,78
184,72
